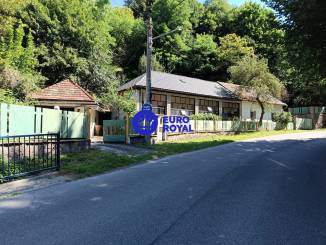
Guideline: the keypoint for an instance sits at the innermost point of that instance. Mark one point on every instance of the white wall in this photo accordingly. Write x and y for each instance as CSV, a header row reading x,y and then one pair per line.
x,y
248,106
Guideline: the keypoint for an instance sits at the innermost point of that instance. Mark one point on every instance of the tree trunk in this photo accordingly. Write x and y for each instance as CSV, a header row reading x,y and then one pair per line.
x,y
262,112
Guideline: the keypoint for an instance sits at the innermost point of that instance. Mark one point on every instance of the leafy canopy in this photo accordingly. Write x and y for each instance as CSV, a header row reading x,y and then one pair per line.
x,y
253,73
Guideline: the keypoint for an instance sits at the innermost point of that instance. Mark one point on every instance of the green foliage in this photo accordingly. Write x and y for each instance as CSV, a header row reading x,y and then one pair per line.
x,y
74,38
215,17
19,84
260,24
112,99
305,49
18,56
254,76
6,96
233,48
253,73
204,116
282,119
96,44
156,66
130,37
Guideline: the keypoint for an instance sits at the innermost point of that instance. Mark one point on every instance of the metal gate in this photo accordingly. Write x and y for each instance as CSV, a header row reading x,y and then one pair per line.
x,y
25,154
114,130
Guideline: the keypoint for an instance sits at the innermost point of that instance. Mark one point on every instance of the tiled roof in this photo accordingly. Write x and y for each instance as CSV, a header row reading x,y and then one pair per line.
x,y
247,94
182,84
65,90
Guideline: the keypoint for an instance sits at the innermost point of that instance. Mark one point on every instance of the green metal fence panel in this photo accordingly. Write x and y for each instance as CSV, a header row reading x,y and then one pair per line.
x,y
114,130
76,124
21,120
303,123
52,120
307,110
3,119
321,110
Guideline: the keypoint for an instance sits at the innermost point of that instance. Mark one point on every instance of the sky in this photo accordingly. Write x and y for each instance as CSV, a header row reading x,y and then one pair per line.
x,y
233,2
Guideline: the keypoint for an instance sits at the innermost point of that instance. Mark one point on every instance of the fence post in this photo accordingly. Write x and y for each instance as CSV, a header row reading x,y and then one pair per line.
x,y
127,129
58,152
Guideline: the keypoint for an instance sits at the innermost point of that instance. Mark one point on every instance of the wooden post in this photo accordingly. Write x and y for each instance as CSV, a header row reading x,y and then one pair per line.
x,y
127,129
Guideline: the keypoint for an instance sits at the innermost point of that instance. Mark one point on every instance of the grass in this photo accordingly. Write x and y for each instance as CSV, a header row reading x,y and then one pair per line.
x,y
94,162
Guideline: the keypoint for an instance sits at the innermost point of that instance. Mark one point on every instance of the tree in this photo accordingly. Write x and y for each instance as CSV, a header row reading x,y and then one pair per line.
x,y
305,24
260,24
254,77
112,99
73,39
305,27
215,18
231,49
202,58
172,50
130,40
18,55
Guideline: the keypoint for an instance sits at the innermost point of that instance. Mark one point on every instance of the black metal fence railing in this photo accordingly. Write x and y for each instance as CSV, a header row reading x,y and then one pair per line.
x,y
25,154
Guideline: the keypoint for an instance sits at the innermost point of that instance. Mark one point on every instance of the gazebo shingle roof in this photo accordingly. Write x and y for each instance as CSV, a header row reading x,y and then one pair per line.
x,y
65,90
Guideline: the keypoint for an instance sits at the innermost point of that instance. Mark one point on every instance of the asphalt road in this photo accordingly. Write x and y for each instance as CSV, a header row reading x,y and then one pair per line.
x,y
266,191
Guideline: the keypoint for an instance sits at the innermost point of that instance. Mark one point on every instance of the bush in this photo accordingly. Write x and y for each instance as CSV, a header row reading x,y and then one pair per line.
x,y
204,116
282,119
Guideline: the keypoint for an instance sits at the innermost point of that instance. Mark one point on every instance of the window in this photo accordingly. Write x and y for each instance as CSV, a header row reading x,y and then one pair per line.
x,y
182,105
158,103
253,115
230,110
209,106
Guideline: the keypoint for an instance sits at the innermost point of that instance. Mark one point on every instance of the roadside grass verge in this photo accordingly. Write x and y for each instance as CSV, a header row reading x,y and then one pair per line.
x,y
94,162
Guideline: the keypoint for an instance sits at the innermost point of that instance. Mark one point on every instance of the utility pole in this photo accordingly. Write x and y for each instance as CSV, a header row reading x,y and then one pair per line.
x,y
149,50
148,98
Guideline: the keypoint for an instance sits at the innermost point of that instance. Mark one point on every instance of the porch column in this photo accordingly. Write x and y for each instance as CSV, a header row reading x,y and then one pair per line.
x,y
91,122
196,106
137,97
168,105
220,108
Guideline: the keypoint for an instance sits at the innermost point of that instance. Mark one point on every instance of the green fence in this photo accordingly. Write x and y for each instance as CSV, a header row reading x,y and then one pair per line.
x,y
303,123
217,126
22,120
307,110
114,130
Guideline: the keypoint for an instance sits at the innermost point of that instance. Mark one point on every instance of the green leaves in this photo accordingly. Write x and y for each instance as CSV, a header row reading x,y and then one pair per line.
x,y
97,44
253,74
257,82
233,48
282,119
204,116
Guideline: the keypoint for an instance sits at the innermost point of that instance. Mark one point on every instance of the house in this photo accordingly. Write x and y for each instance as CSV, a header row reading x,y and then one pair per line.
x,y
69,96
181,95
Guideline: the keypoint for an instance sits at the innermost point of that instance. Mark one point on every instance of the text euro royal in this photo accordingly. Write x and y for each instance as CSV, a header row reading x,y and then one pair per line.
x,y
172,124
